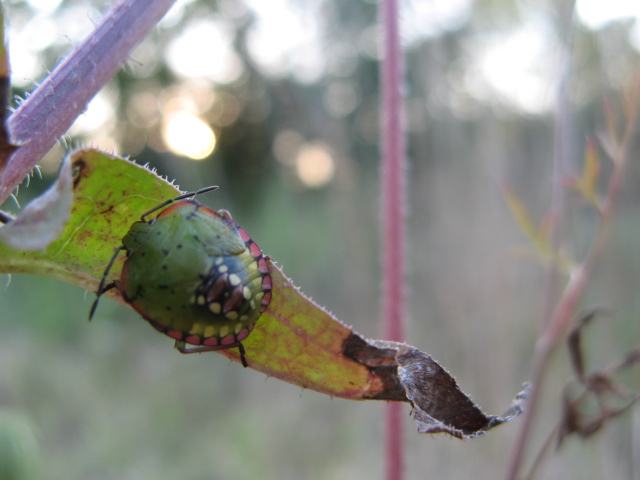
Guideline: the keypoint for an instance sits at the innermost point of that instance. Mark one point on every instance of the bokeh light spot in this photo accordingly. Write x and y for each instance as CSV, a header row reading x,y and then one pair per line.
x,y
286,146
189,136
314,165
341,98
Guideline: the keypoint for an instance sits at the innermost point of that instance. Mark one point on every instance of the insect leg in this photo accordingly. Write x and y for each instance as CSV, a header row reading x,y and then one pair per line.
x,y
102,287
182,348
243,355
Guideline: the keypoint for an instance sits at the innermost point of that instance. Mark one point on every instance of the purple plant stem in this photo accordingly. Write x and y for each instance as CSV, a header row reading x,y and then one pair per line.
x,y
51,109
393,218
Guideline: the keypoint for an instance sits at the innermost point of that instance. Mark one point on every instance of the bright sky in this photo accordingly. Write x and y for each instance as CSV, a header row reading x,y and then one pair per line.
x,y
518,66
596,14
287,39
217,61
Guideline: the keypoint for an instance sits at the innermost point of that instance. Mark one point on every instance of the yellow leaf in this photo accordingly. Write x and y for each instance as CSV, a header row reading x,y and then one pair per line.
x,y
526,223
538,236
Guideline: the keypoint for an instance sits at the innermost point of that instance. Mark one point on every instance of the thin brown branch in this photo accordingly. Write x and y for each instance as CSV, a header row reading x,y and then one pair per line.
x,y
567,305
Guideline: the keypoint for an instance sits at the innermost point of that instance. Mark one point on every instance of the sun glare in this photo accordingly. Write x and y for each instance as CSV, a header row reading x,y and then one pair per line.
x,y
187,135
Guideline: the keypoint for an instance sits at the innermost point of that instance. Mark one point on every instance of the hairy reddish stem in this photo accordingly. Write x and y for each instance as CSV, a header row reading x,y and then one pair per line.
x,y
393,218
51,109
393,181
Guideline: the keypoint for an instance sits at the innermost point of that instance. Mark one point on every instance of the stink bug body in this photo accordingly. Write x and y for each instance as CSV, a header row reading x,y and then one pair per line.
x,y
193,274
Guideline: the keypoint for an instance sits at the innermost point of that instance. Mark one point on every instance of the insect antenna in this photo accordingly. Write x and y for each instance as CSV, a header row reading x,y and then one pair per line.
x,y
179,197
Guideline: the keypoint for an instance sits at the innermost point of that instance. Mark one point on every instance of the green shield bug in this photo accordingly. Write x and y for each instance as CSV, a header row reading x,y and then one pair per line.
x,y
194,275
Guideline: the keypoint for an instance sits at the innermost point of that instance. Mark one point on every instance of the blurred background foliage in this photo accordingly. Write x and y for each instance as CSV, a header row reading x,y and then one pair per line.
x,y
277,102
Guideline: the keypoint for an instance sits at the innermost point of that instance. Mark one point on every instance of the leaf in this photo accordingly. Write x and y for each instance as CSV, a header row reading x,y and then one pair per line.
x,y
526,223
102,208
43,219
586,185
294,340
591,171
538,236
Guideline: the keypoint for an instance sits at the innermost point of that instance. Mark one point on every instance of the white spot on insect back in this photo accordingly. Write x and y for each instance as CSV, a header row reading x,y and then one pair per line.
x,y
234,279
215,307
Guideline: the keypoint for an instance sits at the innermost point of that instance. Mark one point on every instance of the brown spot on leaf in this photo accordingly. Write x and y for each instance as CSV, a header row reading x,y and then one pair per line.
x,y
80,169
380,361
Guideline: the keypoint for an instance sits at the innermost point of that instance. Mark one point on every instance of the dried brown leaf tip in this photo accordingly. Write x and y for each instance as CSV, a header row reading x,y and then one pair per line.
x,y
439,406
